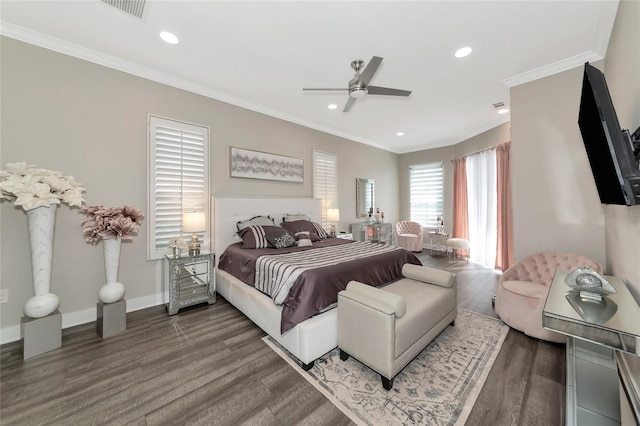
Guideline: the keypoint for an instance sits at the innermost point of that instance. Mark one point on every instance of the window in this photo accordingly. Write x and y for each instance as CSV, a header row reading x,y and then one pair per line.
x,y
325,183
426,193
178,181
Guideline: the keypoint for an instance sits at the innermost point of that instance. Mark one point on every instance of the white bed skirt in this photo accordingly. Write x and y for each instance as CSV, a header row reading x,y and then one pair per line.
x,y
307,341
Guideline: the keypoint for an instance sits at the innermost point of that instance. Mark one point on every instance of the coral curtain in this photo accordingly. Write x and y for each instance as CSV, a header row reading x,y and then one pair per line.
x,y
504,249
460,206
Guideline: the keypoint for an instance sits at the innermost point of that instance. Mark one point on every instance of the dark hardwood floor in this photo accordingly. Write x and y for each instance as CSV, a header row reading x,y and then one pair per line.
x,y
208,365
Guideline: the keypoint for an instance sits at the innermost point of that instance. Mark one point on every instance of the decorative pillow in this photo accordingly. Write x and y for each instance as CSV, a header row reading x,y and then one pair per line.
x,y
304,242
306,235
293,217
305,225
256,220
283,240
257,236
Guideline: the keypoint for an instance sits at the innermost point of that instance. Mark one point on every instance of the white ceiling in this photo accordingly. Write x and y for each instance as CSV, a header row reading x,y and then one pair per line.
x,y
259,55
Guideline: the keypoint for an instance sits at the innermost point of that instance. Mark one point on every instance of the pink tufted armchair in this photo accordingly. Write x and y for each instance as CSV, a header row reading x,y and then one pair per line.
x,y
409,235
523,288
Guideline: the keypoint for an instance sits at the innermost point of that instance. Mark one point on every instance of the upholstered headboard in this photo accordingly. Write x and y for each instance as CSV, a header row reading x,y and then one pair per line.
x,y
227,211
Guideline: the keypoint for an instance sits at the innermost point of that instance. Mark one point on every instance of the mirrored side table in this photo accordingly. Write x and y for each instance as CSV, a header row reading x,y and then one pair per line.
x,y
596,332
189,280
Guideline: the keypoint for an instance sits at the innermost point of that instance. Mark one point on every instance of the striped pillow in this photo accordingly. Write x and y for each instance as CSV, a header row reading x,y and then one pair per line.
x,y
257,236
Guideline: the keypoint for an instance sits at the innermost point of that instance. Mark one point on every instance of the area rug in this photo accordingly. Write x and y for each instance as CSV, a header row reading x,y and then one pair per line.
x,y
439,387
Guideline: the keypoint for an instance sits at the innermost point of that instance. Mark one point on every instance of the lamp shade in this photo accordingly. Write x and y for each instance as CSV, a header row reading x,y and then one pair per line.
x,y
333,215
193,222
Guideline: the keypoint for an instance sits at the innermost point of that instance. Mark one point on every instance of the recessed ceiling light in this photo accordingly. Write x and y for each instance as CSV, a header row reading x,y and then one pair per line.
x,y
168,37
332,106
400,134
462,52
503,111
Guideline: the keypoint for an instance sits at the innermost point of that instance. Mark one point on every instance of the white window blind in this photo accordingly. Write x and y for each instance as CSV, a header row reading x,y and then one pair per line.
x,y
178,181
426,193
325,182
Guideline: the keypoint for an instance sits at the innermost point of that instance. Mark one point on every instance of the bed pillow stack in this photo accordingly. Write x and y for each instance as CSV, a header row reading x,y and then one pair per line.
x,y
313,228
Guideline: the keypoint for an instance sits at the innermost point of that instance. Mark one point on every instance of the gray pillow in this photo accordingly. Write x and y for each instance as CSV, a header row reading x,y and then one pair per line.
x,y
255,221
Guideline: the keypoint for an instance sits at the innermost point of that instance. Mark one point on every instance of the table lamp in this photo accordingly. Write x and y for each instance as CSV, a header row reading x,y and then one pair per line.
x,y
333,215
194,222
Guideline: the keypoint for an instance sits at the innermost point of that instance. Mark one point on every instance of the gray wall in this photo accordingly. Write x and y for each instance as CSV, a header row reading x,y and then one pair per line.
x,y
622,69
555,202
89,121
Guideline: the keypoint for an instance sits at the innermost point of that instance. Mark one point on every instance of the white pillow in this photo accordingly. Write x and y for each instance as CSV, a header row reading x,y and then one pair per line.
x,y
305,242
255,221
293,217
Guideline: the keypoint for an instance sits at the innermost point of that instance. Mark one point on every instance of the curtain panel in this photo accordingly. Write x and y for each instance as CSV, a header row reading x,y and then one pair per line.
x,y
460,206
504,249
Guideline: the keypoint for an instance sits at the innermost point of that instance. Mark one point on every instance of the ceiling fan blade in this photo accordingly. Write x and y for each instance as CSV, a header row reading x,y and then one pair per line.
x,y
349,104
370,70
315,89
375,90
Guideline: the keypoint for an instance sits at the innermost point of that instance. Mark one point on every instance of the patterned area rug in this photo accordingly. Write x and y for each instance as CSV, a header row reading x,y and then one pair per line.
x,y
439,387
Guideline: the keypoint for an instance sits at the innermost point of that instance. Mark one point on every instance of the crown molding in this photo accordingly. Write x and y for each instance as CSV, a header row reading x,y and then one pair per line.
x,y
554,68
604,26
57,45
495,123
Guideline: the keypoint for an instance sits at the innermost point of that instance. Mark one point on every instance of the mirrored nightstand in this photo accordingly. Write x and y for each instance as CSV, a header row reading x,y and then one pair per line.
x,y
189,280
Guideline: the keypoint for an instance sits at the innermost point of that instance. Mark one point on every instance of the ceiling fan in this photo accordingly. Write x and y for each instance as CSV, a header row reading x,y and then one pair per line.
x,y
359,84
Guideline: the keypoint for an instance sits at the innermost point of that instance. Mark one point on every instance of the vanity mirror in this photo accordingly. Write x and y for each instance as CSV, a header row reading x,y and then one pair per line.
x,y
365,190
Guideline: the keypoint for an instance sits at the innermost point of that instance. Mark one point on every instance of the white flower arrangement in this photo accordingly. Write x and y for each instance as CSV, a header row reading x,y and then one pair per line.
x,y
31,187
178,243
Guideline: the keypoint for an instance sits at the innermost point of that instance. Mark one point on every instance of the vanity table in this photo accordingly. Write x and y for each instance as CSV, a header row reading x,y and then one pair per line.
x,y
597,333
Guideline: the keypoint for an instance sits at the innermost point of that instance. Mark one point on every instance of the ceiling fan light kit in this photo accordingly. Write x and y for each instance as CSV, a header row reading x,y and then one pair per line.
x,y
359,85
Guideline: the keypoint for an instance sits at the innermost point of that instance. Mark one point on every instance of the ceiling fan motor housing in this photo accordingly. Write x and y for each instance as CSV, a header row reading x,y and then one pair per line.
x,y
357,89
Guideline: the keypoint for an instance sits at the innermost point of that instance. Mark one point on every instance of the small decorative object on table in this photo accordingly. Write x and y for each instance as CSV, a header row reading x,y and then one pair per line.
x,y
38,192
111,225
178,245
591,285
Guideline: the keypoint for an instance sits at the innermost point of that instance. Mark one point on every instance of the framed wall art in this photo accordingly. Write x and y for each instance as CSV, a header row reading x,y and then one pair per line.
x,y
261,165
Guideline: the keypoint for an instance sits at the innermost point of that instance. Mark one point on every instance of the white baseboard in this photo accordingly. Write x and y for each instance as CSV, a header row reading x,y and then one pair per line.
x,y
71,319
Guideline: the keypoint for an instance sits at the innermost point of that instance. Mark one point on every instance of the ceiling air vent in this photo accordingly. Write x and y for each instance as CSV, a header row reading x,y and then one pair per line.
x,y
132,7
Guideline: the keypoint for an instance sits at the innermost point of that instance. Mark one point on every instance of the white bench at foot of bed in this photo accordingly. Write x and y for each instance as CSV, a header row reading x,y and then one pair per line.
x,y
307,341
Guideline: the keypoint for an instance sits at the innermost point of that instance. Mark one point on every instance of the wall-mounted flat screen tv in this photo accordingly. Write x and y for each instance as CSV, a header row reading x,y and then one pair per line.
x,y
612,151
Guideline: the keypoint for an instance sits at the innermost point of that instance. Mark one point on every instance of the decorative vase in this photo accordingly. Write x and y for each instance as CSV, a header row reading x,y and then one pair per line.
x,y
112,291
177,252
41,222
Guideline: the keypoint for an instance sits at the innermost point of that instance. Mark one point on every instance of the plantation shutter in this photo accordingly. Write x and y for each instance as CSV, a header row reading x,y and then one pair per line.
x,y
179,181
426,193
325,183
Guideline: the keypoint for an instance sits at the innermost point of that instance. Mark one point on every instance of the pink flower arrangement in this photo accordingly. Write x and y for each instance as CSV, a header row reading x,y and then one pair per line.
x,y
110,223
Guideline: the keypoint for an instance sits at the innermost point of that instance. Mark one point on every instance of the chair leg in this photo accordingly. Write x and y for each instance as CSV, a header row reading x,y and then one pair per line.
x,y
386,383
343,355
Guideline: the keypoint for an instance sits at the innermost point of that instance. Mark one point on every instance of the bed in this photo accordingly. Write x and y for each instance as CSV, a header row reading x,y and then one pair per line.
x,y
305,323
